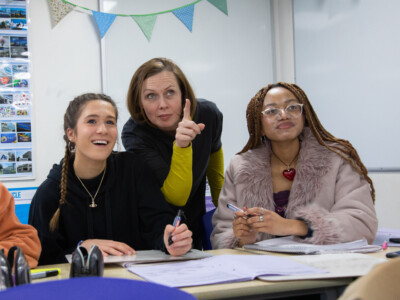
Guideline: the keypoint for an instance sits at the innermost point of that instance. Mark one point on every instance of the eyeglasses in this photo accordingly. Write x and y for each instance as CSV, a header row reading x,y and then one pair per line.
x,y
293,110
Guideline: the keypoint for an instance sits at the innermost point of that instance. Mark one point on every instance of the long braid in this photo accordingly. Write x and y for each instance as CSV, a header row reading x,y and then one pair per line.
x,y
63,189
341,147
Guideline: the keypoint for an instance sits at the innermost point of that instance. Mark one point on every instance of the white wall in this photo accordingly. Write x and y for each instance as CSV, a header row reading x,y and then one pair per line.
x,y
66,62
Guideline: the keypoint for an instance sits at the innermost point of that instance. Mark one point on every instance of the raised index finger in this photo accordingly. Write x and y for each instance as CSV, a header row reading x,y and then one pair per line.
x,y
186,110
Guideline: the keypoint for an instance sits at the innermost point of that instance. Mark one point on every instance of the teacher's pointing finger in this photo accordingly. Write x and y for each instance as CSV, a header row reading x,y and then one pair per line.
x,y
186,110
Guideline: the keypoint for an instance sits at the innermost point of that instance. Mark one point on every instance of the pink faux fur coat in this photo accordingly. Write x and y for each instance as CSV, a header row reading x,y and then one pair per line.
x,y
326,191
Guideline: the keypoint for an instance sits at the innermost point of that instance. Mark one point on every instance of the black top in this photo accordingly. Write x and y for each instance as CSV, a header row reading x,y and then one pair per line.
x,y
130,209
155,146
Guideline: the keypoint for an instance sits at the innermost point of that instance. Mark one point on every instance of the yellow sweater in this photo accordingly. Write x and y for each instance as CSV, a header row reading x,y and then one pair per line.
x,y
178,184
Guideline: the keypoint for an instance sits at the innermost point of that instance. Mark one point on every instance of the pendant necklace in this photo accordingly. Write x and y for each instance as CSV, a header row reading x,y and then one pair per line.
x,y
289,173
93,204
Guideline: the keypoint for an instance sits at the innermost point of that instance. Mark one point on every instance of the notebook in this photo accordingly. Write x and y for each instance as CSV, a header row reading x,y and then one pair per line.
x,y
289,245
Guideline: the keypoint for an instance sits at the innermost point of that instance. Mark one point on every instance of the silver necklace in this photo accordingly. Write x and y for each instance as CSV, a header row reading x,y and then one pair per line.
x,y
93,204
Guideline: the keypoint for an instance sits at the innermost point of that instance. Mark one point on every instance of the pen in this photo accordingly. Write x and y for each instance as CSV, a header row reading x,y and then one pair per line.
x,y
393,254
44,274
235,208
176,223
43,270
395,240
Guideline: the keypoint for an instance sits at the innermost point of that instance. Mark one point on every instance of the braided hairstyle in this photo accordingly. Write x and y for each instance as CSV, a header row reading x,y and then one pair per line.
x,y
71,117
339,146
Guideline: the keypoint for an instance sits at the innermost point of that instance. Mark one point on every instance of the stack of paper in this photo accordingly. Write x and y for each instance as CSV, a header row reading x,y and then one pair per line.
x,y
289,245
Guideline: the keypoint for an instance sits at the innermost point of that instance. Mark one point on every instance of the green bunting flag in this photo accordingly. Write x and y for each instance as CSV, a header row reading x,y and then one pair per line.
x,y
146,24
221,5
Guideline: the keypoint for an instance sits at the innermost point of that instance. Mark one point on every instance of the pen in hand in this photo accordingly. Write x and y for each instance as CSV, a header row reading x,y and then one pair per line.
x,y
176,223
235,208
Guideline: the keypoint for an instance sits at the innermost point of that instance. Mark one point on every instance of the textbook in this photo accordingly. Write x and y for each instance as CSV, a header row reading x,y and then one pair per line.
x,y
151,256
288,244
221,269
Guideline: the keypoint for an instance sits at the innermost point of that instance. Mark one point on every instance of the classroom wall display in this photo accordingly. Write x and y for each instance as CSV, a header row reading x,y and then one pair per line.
x,y
16,160
347,61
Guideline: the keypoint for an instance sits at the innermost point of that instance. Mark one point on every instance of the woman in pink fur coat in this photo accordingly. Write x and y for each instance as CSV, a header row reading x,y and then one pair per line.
x,y
293,178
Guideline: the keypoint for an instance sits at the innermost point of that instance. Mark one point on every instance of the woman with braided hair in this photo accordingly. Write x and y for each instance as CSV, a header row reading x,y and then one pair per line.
x,y
293,178
96,196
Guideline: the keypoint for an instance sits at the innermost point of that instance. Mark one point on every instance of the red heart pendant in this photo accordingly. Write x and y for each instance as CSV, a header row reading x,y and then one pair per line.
x,y
289,174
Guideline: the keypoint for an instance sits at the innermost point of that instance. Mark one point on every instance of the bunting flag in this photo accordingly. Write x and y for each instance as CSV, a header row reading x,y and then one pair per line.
x,y
103,21
185,15
221,5
146,24
58,10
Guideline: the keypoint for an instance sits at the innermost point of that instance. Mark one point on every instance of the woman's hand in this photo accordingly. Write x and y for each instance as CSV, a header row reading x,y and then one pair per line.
x,y
242,229
181,237
270,222
109,247
187,129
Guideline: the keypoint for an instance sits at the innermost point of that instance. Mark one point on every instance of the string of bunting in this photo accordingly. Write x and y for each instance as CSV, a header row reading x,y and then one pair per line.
x,y
60,8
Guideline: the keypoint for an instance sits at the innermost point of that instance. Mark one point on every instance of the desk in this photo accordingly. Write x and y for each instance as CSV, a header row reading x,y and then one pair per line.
x,y
255,289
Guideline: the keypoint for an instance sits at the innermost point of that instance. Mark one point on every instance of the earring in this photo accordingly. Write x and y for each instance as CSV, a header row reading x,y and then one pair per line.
x,y
71,147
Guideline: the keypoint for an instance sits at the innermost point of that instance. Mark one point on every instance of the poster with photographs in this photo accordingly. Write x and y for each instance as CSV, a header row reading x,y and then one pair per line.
x,y
15,97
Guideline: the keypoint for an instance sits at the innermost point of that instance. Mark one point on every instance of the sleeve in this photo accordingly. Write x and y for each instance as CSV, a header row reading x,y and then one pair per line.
x,y
13,233
43,206
222,235
217,144
127,135
178,184
159,165
215,174
154,211
352,215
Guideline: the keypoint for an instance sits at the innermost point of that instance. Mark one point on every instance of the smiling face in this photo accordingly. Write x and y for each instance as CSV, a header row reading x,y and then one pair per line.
x,y
161,98
282,127
95,133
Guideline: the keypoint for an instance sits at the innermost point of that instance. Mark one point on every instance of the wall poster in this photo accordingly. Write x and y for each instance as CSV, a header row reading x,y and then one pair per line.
x,y
16,160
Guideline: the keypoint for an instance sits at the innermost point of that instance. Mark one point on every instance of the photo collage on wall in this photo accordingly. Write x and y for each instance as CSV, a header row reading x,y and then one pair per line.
x,y
15,98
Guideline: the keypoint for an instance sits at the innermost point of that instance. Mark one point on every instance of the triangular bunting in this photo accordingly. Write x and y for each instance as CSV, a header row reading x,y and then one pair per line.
x,y
58,10
185,15
220,4
146,24
103,21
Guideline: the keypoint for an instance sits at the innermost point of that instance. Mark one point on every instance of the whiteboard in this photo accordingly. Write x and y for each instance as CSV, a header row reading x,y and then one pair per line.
x,y
347,60
227,59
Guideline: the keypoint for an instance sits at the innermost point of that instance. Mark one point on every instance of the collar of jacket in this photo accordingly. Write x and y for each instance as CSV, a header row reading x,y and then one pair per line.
x,y
255,174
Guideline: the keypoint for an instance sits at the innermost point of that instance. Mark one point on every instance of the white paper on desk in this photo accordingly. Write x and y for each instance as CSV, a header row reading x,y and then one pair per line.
x,y
336,266
220,269
151,256
384,234
289,245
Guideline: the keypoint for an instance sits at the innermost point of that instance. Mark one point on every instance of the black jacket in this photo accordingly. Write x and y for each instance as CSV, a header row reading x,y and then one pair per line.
x,y
155,147
131,209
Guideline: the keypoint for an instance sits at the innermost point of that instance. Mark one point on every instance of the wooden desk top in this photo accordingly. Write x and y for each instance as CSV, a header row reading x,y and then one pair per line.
x,y
245,289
